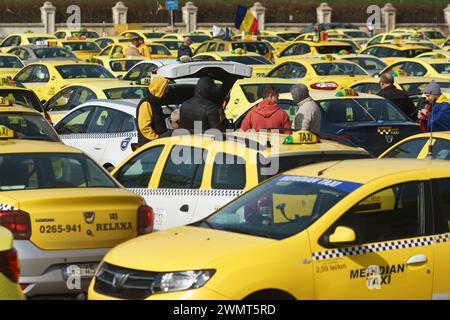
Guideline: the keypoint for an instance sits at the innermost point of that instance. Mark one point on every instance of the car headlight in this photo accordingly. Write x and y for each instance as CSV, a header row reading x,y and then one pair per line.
x,y
178,281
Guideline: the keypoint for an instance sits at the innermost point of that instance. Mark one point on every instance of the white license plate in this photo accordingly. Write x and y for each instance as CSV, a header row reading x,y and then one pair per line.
x,y
86,270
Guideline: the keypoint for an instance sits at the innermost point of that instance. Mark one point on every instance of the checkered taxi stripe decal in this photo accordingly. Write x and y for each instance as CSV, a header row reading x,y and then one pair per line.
x,y
188,192
7,207
83,136
394,245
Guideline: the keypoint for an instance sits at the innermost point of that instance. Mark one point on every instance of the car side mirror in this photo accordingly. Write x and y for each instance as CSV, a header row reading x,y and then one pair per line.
x,y
342,236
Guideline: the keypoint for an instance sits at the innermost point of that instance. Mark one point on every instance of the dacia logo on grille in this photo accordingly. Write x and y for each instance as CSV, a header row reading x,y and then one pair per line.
x,y
119,281
89,217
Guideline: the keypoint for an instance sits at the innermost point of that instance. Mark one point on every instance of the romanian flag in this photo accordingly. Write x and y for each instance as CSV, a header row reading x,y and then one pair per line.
x,y
160,7
245,21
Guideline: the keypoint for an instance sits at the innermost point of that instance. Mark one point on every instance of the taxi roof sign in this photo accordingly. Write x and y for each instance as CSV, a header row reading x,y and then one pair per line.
x,y
6,133
302,137
347,92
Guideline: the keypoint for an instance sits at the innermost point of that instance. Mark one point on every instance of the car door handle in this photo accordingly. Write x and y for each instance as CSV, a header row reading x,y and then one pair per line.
x,y
417,259
184,208
97,148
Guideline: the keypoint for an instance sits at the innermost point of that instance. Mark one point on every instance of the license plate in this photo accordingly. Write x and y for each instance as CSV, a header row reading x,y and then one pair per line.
x,y
86,270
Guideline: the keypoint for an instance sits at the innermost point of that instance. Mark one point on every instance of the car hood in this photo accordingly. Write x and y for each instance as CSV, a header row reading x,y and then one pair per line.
x,y
184,248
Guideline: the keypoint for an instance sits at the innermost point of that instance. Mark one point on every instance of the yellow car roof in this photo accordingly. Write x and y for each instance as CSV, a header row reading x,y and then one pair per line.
x,y
400,47
28,146
368,170
105,84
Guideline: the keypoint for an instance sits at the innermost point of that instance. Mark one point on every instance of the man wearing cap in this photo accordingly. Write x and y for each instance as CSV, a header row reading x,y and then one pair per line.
x,y
396,96
150,119
439,117
308,116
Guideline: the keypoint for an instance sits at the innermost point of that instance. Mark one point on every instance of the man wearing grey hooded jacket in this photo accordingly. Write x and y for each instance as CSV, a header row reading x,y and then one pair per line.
x,y
308,116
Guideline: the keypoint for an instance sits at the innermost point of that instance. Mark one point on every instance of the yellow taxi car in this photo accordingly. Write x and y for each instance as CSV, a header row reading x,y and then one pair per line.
x,y
9,66
391,53
246,92
261,47
422,146
82,49
76,94
118,65
260,65
232,164
82,33
437,68
47,78
103,42
64,211
23,39
354,229
144,33
324,73
432,34
300,48
158,51
9,268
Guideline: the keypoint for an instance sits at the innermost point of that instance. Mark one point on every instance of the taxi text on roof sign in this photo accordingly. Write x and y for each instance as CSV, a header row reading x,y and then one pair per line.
x,y
302,137
6,133
346,92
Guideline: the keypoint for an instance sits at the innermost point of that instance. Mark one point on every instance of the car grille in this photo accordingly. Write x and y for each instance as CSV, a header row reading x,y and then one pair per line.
x,y
124,283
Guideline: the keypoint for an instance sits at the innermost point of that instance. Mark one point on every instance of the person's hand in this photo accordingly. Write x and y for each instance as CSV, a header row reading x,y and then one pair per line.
x,y
422,114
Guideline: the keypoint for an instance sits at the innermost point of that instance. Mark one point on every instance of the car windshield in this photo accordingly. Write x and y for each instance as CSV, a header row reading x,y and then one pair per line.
x,y
338,69
334,49
126,93
10,62
417,88
23,98
172,45
254,92
122,65
281,207
357,34
257,47
408,53
248,60
28,126
199,38
46,53
82,46
159,50
289,36
442,68
83,71
368,64
34,171
273,39
86,34
154,35
434,35
34,40
348,111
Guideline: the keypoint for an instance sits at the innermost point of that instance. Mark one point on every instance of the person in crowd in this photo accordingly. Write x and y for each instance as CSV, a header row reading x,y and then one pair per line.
x,y
143,48
267,114
185,50
150,119
439,116
132,50
308,116
201,109
396,96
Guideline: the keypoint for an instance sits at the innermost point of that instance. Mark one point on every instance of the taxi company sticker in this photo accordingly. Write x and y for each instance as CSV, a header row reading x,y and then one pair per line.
x,y
159,216
377,276
335,184
125,143
7,207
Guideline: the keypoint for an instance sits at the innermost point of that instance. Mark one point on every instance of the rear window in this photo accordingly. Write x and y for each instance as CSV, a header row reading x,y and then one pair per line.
x,y
360,110
257,47
10,62
199,38
159,50
86,34
254,92
125,93
334,49
45,53
34,40
80,71
442,68
154,35
357,34
408,53
33,171
286,163
82,46
123,65
434,35
248,60
338,69
23,98
28,126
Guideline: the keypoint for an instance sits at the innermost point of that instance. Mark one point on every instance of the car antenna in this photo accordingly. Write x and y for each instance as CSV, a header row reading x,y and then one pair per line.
x,y
320,173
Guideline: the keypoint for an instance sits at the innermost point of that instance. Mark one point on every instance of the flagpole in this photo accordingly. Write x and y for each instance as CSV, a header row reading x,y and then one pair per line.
x,y
171,21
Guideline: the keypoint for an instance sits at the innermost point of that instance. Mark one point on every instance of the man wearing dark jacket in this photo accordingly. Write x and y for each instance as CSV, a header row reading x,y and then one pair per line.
x,y
185,49
202,107
396,96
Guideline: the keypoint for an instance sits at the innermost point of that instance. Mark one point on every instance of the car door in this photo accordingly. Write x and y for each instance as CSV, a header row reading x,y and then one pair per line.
x,y
392,256
441,281
174,197
121,135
